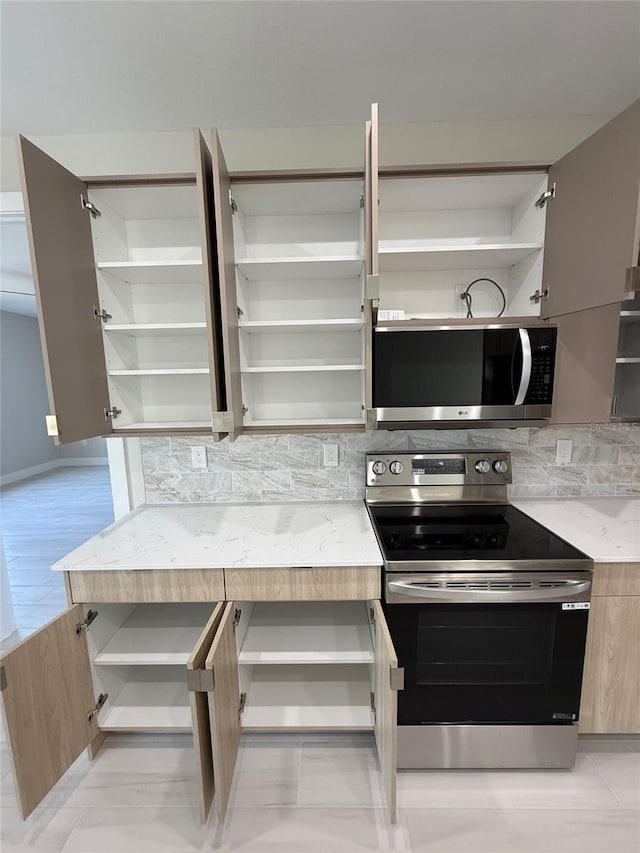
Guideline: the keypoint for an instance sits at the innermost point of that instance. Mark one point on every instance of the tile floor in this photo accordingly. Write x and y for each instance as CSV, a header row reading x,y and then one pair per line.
x,y
291,794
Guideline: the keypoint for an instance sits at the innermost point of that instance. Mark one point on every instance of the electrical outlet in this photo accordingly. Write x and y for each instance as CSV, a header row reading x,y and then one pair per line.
x,y
564,451
330,455
198,456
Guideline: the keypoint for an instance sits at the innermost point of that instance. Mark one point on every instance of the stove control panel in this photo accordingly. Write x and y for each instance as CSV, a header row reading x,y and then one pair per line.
x,y
440,468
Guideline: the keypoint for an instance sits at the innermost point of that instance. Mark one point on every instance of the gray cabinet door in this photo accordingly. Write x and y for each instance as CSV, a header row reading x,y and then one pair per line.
x,y
64,274
210,276
371,167
593,223
225,269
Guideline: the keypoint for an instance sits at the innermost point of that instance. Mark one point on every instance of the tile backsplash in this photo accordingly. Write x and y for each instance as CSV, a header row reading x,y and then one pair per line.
x,y
605,461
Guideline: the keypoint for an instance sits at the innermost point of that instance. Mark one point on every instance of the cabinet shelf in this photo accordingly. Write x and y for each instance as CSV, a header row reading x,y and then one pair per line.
x,y
309,423
156,329
155,426
635,360
153,272
309,697
488,256
305,632
160,371
155,635
278,326
305,368
312,268
151,699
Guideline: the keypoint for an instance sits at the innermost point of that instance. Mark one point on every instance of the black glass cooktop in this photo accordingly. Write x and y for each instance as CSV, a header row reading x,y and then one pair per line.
x,y
469,532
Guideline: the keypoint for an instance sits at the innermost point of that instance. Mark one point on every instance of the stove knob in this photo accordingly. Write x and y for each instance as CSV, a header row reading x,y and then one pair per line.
x,y
501,466
396,467
483,467
378,467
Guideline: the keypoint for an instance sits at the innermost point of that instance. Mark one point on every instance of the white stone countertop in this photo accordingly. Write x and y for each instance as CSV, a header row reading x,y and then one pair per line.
x,y
607,529
196,536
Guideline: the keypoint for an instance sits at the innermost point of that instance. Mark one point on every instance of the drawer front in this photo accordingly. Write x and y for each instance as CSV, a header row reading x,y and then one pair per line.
x,y
352,583
147,585
616,579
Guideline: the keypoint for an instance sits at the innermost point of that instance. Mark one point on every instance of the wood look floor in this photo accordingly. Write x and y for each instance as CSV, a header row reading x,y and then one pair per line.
x,y
291,794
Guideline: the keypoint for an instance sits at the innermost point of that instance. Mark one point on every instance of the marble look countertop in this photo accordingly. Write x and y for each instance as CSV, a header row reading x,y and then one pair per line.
x,y
607,529
195,536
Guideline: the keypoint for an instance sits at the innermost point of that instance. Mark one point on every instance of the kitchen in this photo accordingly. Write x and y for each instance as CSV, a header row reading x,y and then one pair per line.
x,y
292,384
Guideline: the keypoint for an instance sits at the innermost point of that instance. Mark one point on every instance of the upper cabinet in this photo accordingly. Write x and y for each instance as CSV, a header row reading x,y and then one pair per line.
x,y
593,220
128,299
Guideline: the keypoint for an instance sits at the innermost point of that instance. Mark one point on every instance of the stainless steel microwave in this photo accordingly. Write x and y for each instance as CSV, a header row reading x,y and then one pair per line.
x,y
494,375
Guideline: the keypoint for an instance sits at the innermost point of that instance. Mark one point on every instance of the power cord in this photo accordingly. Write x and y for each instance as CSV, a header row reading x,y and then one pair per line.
x,y
467,298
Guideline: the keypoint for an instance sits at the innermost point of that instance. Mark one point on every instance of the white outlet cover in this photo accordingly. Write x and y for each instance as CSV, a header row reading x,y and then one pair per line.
x,y
198,456
564,451
331,455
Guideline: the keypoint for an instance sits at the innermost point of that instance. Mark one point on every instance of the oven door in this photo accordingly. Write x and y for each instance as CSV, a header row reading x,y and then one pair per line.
x,y
494,649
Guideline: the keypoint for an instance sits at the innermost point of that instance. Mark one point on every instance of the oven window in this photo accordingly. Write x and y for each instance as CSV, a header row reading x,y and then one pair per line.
x,y
478,647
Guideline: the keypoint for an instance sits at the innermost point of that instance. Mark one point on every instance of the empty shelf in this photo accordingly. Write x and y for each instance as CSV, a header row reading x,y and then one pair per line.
x,y
156,329
159,371
307,632
306,422
309,697
153,272
164,425
156,635
304,368
490,256
278,326
282,269
152,699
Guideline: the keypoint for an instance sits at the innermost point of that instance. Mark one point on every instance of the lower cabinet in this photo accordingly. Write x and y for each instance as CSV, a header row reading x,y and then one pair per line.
x,y
215,670
610,701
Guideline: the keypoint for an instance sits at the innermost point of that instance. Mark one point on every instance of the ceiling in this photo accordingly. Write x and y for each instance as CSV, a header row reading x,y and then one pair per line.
x,y
94,66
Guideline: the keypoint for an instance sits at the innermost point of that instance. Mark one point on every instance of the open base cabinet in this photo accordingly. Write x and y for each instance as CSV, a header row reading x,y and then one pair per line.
x,y
214,670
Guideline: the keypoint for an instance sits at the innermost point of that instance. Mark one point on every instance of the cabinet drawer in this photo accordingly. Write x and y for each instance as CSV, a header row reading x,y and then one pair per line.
x,y
616,579
303,584
147,585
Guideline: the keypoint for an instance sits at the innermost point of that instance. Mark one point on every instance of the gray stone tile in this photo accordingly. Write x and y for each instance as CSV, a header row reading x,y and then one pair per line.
x,y
531,491
320,478
622,434
587,490
500,439
246,481
629,455
295,460
600,454
565,475
619,474
548,436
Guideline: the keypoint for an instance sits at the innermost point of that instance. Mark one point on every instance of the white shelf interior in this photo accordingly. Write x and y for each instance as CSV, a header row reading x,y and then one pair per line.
x,y
277,327
298,350
315,299
307,632
148,251
300,268
145,698
309,697
155,635
437,234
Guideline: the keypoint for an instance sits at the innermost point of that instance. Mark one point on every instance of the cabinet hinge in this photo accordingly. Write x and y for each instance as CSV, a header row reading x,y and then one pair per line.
x,y
244,409
101,314
372,617
90,618
112,414
3,679
361,201
52,425
539,296
237,613
372,699
232,202
102,698
239,311
200,680
87,205
243,702
546,196
614,406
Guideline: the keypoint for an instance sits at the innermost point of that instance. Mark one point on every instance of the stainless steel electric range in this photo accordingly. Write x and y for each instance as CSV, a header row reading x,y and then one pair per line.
x,y
487,611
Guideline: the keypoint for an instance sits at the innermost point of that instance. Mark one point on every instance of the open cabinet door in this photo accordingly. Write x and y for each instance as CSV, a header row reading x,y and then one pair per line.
x,y
389,678
593,222
229,421
50,712
371,267
206,204
64,274
224,706
198,694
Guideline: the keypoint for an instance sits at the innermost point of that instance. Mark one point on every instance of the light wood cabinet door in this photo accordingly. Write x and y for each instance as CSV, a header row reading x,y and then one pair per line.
x,y
64,275
232,419
48,703
371,265
199,699
224,706
593,223
611,683
388,679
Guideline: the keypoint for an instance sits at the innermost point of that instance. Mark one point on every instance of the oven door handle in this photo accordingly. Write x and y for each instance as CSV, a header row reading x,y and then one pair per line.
x,y
527,363
570,589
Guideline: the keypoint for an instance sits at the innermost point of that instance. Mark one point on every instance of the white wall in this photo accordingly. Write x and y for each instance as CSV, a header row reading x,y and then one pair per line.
x,y
526,139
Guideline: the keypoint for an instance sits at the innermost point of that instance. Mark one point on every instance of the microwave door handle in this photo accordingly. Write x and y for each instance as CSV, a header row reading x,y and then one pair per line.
x,y
527,362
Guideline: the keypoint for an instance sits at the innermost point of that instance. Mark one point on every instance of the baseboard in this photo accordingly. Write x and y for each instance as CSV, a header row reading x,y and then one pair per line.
x,y
25,473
